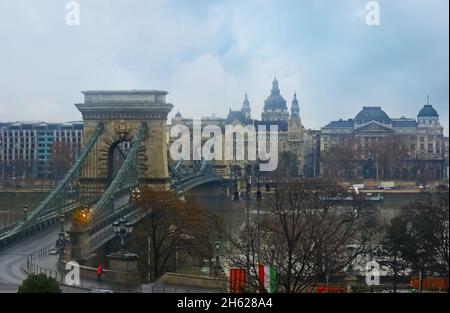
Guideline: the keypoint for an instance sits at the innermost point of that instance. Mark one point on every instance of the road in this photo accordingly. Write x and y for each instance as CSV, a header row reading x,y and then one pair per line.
x,y
13,258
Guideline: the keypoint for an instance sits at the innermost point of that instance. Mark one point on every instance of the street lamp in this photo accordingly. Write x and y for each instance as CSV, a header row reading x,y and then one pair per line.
x,y
247,173
25,211
61,242
135,194
257,174
235,192
217,263
248,192
61,220
122,228
217,247
258,205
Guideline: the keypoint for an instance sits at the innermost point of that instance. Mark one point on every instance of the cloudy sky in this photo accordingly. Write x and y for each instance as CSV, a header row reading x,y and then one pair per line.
x,y
208,53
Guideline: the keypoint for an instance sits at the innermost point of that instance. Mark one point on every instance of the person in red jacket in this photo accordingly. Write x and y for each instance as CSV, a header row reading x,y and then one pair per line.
x,y
99,272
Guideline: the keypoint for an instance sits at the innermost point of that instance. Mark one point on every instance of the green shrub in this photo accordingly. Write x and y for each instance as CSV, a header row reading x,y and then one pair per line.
x,y
39,284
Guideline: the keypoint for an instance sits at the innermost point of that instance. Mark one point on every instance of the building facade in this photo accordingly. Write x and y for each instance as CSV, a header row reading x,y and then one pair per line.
x,y
374,145
311,166
26,147
275,113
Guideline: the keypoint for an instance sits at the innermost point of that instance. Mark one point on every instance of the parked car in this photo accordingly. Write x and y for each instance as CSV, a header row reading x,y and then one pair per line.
x,y
101,291
386,185
356,186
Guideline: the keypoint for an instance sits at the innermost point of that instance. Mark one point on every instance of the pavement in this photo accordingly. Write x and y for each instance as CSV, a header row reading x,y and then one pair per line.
x,y
14,258
13,263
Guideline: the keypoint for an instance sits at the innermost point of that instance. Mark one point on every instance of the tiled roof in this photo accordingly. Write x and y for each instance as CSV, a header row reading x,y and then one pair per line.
x,y
404,123
341,123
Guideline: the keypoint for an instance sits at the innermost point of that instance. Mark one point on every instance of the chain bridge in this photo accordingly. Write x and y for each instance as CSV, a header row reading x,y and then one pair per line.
x,y
124,146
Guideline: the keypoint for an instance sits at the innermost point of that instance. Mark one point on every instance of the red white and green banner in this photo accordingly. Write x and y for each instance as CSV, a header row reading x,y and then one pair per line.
x,y
237,280
267,276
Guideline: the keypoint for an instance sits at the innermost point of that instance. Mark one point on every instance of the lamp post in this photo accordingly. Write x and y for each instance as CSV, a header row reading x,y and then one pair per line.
x,y
135,194
248,192
123,262
61,220
235,192
122,228
61,242
25,212
258,205
247,174
217,262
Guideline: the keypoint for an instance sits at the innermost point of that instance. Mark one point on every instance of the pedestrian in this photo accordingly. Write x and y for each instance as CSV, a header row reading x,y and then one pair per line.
x,y
99,272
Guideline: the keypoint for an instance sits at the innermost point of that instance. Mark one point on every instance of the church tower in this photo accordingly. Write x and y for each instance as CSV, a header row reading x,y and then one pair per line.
x,y
246,107
295,109
295,134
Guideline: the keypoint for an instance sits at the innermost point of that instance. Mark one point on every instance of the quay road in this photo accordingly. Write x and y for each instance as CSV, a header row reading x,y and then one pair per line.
x,y
13,258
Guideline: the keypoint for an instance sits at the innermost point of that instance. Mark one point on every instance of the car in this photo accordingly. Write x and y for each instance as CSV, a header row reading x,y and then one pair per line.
x,y
95,290
53,251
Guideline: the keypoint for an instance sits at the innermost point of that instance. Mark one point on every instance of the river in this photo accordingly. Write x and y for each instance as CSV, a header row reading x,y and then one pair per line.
x,y
212,196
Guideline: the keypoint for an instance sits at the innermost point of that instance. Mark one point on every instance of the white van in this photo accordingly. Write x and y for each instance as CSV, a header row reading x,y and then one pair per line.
x,y
356,186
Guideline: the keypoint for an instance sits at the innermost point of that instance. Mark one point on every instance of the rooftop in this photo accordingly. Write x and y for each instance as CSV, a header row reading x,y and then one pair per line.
x,y
428,110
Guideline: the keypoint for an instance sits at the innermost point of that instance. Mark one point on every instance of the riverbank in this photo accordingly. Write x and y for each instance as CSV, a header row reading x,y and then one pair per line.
x,y
26,189
409,191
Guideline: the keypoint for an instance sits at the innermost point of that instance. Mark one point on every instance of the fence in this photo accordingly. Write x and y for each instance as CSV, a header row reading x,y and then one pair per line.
x,y
32,265
150,288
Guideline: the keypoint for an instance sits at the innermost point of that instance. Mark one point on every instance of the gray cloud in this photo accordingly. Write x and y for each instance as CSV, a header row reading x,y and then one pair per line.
x,y
207,54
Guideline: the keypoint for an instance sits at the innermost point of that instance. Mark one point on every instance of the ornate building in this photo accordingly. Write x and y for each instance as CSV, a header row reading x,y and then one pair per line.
x,y
418,144
275,112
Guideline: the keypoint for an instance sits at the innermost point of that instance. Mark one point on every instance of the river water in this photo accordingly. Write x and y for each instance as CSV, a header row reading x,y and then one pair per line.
x,y
11,205
215,197
212,196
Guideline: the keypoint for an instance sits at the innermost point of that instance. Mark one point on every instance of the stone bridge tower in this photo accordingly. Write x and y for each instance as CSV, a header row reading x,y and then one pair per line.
x,y
121,113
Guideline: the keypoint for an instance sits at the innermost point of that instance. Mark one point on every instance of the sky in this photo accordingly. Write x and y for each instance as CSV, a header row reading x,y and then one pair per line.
x,y
208,53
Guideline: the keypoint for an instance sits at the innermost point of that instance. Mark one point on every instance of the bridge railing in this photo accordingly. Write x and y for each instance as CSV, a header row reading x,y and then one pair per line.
x,y
44,221
34,265
5,230
186,181
103,231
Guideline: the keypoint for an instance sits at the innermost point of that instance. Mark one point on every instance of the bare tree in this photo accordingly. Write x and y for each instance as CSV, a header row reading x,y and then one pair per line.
x,y
60,159
392,250
428,231
389,152
339,160
171,227
19,168
307,233
288,165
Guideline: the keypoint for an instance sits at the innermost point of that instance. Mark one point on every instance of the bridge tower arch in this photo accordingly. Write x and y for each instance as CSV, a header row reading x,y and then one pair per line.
x,y
121,113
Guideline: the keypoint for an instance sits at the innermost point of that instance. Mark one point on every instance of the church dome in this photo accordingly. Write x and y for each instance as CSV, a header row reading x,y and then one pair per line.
x,y
368,114
275,101
428,110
